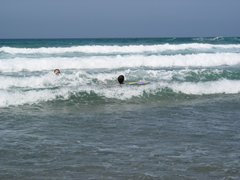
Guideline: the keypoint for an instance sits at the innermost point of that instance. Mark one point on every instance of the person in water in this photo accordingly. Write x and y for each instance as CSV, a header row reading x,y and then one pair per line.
x,y
121,79
57,72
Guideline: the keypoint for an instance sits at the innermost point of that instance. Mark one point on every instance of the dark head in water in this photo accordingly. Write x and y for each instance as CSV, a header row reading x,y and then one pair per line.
x,y
121,79
57,71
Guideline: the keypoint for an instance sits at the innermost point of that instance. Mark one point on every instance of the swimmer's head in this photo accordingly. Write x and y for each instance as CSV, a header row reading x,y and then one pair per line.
x,y
121,79
57,71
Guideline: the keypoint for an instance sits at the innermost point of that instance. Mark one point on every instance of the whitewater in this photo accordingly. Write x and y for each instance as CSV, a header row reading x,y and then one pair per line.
x,y
195,67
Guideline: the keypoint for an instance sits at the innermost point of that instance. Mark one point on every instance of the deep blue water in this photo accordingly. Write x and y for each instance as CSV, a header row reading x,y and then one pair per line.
x,y
82,124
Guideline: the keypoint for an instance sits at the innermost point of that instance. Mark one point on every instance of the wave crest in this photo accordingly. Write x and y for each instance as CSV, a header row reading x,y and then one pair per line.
x,y
199,60
106,49
92,94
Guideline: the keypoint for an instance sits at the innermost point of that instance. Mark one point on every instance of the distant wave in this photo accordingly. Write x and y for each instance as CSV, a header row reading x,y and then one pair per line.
x,y
118,49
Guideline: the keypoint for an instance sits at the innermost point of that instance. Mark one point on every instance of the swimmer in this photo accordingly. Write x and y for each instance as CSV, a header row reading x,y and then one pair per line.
x,y
138,83
121,79
57,72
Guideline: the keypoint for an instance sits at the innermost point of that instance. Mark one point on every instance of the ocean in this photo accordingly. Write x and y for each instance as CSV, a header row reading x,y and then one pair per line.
x,y
81,124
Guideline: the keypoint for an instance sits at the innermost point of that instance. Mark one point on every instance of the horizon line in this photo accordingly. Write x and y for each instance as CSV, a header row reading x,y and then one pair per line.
x,y
180,37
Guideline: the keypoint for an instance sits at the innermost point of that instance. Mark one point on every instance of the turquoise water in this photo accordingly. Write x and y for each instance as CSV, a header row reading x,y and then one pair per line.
x,y
83,125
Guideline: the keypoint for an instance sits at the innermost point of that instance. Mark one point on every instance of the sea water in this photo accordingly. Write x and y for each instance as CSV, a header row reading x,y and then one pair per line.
x,y
184,124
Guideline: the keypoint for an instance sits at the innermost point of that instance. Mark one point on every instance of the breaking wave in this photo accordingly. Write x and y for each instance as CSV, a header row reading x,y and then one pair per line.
x,y
104,88
116,62
117,49
89,72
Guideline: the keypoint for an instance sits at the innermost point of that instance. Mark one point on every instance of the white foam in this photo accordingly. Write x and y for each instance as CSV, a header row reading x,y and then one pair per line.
x,y
19,97
195,60
48,80
28,82
117,48
29,97
76,78
212,87
191,88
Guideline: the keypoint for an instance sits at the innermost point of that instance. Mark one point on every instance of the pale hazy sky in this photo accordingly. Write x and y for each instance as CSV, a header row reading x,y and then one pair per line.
x,y
118,18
